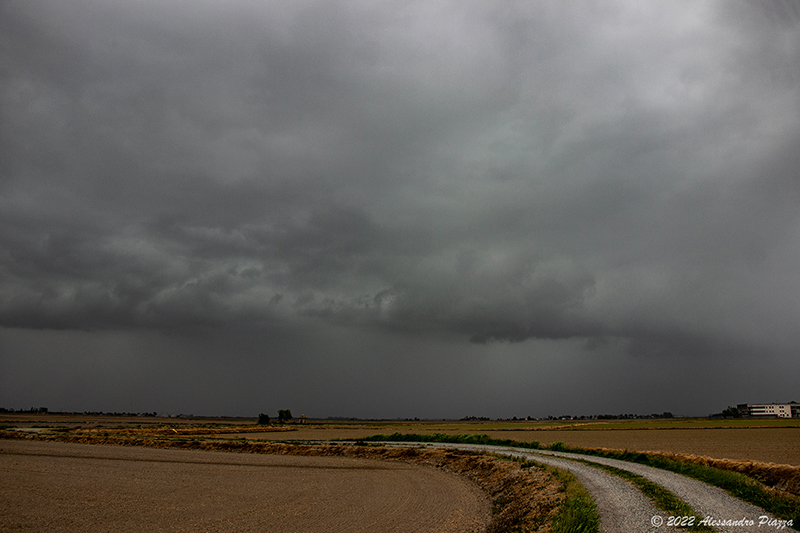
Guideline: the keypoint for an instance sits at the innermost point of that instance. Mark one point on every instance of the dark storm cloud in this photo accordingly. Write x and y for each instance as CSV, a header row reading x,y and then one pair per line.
x,y
618,173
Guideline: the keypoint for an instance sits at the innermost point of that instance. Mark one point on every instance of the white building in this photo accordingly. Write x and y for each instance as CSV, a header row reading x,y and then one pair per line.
x,y
776,410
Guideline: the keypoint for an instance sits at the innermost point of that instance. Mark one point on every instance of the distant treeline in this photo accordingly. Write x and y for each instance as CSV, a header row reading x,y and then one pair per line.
x,y
627,416
32,410
43,410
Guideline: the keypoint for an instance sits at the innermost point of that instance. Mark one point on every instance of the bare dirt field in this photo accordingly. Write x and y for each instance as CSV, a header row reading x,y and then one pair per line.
x,y
53,486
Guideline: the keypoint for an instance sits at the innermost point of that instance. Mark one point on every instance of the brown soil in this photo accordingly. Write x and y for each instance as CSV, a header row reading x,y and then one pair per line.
x,y
768,445
71,487
76,487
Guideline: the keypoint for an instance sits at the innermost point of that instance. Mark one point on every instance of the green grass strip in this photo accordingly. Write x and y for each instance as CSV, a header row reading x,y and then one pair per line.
x,y
461,438
578,511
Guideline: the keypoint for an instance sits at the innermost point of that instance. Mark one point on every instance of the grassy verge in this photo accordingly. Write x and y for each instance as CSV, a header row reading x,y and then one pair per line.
x,y
578,512
461,438
781,505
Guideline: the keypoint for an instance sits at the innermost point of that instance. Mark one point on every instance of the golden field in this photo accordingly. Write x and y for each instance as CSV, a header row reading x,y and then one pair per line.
x,y
768,440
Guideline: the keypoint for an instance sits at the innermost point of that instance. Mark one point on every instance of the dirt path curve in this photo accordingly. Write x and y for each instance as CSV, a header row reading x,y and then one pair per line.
x,y
621,506
50,486
707,500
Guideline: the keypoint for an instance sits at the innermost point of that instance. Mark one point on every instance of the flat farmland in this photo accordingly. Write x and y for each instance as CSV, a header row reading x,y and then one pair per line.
x,y
766,443
769,441
180,475
778,445
53,486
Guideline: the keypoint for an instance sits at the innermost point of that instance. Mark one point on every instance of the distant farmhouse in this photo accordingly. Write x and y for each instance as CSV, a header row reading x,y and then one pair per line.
x,y
769,410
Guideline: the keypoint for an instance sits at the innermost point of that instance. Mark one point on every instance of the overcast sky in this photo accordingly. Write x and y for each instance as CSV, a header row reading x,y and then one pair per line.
x,y
399,209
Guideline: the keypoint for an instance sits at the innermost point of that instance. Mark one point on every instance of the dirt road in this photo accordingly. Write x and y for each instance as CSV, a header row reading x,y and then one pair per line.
x,y
622,507
47,486
705,499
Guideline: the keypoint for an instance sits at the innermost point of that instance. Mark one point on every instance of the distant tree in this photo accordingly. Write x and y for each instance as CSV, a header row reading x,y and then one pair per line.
x,y
284,415
263,419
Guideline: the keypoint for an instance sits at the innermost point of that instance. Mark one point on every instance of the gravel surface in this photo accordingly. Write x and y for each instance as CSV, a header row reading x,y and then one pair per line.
x,y
50,486
707,500
620,505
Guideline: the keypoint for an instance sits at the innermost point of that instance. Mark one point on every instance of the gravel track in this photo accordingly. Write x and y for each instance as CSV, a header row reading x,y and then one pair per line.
x,y
620,504
705,499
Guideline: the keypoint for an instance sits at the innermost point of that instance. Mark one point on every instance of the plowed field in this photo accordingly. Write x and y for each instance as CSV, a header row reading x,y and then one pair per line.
x,y
47,486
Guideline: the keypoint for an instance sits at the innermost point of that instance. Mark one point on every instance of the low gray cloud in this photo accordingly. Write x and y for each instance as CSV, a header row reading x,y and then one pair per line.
x,y
609,180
